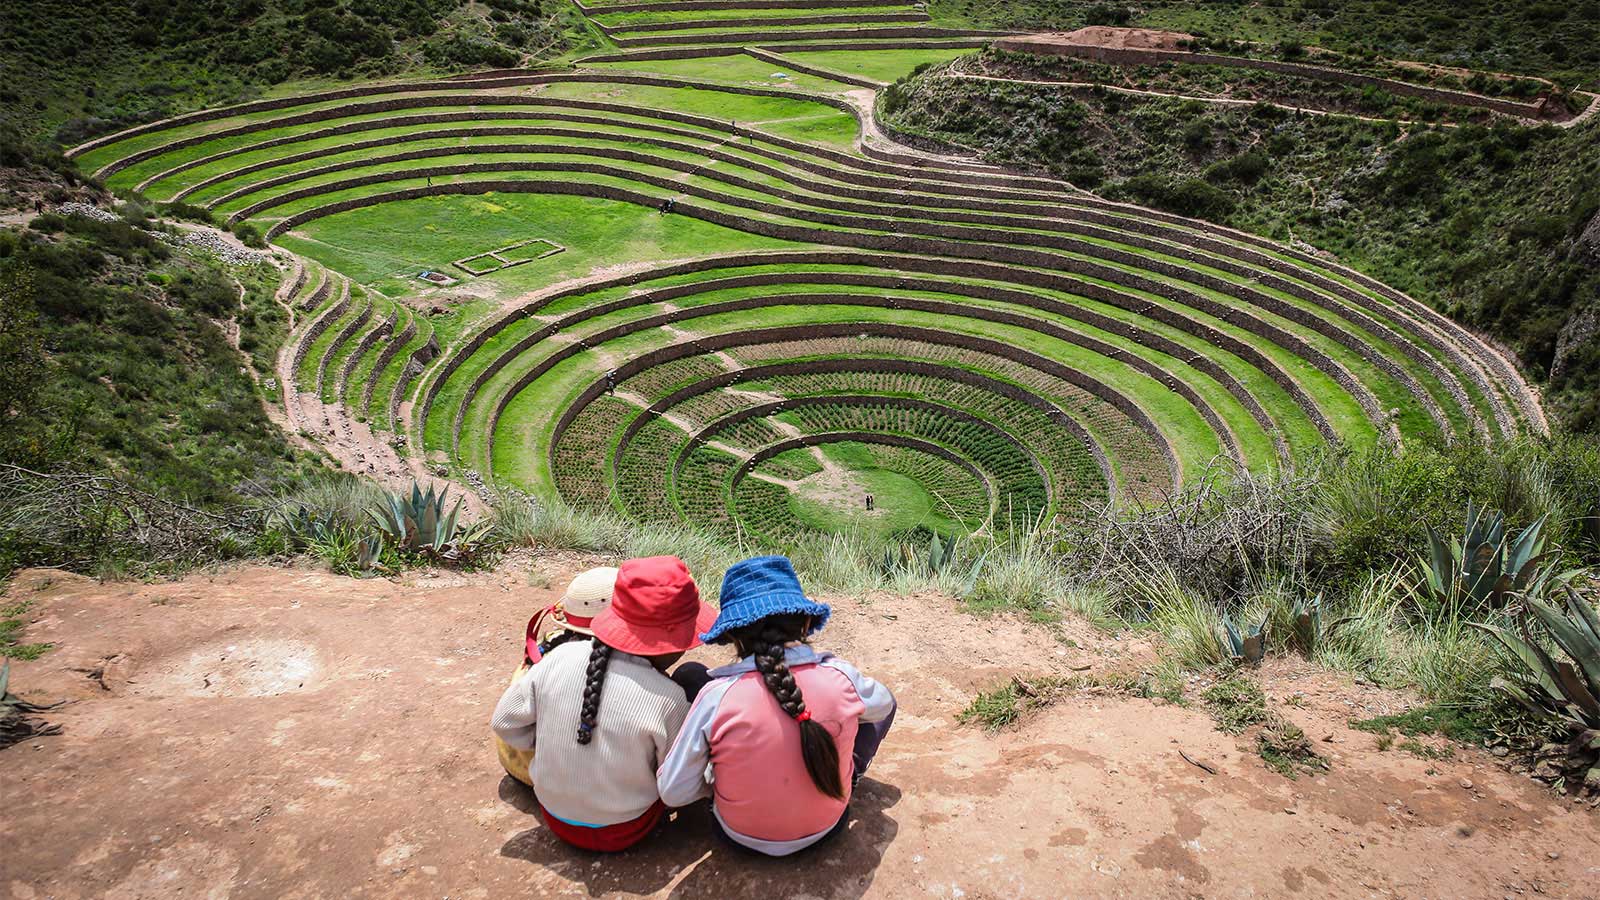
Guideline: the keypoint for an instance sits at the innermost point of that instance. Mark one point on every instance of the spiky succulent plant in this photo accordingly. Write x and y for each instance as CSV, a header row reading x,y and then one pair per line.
x,y
1559,676
1484,568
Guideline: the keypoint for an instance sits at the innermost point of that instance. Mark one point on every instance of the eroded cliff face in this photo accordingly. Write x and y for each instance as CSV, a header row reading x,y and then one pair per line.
x,y
1589,241
1580,330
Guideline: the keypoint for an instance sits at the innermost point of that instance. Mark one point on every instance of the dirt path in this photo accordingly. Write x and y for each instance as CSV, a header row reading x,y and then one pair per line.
x,y
280,733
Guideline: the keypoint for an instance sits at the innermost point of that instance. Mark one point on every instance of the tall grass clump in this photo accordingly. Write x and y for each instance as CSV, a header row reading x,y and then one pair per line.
x,y
1023,571
840,563
340,496
1190,622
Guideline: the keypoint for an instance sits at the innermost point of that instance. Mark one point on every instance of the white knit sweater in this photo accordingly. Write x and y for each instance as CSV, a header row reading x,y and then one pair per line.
x,y
612,779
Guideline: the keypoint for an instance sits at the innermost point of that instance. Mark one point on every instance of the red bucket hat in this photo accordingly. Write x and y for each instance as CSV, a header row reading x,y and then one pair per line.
x,y
655,609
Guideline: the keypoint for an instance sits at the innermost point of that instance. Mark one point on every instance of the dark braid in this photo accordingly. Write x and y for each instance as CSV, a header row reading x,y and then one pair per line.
x,y
599,658
559,638
765,640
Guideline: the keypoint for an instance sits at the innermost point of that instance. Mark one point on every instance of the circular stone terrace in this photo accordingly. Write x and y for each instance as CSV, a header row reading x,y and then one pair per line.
x,y
752,317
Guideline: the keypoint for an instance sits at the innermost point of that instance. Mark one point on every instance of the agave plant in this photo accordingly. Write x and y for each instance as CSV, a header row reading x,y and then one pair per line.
x,y
308,527
369,552
1248,646
420,524
1484,568
16,720
941,557
1306,615
1565,691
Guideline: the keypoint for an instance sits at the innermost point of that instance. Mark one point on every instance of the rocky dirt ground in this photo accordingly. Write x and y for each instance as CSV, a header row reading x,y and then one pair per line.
x,y
265,732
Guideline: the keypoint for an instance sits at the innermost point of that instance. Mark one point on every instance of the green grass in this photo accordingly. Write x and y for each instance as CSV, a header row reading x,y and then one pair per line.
x,y
738,69
11,626
900,502
879,65
1462,724
1005,706
384,247
1235,704
788,117
619,19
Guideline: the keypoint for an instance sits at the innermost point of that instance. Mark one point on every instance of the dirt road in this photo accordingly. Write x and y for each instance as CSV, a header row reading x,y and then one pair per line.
x,y
279,733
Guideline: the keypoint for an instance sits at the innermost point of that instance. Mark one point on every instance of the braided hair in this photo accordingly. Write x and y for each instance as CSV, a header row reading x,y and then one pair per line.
x,y
765,640
559,638
599,658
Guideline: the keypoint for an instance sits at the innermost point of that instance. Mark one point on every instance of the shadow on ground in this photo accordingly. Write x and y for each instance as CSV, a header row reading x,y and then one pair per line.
x,y
686,851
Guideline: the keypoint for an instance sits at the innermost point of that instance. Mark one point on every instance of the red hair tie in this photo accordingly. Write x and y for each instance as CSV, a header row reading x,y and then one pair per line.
x,y
804,716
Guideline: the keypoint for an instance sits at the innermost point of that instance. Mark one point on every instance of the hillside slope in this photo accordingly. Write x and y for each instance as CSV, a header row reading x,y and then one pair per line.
x,y
326,757
1485,222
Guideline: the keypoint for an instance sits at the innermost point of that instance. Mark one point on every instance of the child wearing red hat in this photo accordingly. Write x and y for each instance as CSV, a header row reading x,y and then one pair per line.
x,y
603,713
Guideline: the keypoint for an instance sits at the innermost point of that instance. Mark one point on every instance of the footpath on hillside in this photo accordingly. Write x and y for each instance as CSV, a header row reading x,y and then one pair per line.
x,y
268,732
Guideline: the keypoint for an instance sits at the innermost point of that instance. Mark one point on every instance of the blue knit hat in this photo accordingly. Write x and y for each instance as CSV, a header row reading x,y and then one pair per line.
x,y
763,586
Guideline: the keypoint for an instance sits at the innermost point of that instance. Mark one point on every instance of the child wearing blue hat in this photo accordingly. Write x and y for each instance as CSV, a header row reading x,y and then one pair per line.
x,y
779,738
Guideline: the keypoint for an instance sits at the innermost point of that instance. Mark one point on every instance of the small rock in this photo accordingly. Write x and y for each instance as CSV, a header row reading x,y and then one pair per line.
x,y
1553,855
1466,784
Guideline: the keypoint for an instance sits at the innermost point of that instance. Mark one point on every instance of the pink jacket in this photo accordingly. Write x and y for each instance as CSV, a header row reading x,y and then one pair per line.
x,y
740,747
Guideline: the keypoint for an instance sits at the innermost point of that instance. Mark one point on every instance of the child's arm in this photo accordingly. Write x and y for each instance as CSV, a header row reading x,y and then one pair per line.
x,y
877,699
516,715
683,776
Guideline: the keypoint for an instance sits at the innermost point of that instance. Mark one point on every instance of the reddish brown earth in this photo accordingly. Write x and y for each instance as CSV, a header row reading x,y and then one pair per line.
x,y
1120,38
268,732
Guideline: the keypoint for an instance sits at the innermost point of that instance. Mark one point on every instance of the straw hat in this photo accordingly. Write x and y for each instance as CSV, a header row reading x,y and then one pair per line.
x,y
586,597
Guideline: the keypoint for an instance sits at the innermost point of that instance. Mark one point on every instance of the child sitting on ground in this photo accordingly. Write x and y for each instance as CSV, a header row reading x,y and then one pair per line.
x,y
567,619
602,712
768,736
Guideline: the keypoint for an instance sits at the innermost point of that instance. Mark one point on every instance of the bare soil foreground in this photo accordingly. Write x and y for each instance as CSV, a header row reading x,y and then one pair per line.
x,y
280,733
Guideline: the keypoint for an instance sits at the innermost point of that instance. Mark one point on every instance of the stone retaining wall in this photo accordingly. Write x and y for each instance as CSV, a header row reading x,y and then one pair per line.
x,y
979,380
344,334
806,69
926,265
897,243
600,9
868,400
316,297
767,38
825,19
416,364
318,326
869,437
712,343
1447,378
385,356
361,348
1138,363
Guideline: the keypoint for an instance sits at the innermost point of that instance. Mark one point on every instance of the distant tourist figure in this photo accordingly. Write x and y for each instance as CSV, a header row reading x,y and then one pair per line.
x,y
869,503
668,204
602,712
779,738
566,619
611,381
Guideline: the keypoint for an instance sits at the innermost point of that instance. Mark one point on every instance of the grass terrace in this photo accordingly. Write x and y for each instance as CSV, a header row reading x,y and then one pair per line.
x,y
781,318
